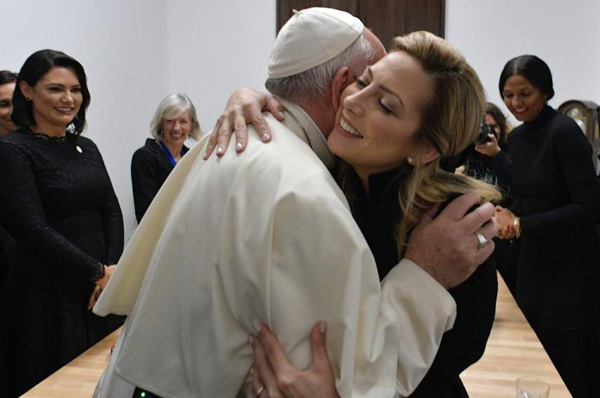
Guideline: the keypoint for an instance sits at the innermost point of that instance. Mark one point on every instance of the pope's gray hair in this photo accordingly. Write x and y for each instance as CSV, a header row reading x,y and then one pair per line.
x,y
313,83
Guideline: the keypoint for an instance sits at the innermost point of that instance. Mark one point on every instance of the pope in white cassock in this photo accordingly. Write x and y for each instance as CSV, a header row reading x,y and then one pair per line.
x,y
268,235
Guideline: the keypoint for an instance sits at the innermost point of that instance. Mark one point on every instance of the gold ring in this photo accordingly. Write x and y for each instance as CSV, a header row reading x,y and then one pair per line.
x,y
260,390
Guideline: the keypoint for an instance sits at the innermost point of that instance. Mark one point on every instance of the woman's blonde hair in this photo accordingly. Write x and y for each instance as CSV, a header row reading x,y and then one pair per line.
x,y
449,123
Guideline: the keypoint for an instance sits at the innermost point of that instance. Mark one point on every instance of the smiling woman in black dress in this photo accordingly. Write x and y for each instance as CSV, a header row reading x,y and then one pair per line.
x,y
557,199
59,205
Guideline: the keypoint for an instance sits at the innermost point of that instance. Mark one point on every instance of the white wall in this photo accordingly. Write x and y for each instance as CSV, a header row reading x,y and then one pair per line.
x,y
115,41
138,51
215,47
563,33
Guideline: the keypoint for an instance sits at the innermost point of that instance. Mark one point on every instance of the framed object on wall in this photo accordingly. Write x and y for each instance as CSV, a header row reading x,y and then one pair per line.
x,y
585,114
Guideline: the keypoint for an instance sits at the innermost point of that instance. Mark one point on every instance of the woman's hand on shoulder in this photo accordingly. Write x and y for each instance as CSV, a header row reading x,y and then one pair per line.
x,y
245,106
275,377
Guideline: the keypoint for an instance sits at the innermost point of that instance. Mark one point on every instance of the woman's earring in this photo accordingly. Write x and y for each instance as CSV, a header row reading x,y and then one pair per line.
x,y
160,133
410,160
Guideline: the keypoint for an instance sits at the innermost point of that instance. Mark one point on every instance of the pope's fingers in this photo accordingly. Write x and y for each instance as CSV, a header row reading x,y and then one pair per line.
x,y
489,229
457,209
478,217
430,214
483,252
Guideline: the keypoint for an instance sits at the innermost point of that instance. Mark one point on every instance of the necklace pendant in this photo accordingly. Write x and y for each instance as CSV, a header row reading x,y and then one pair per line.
x,y
78,148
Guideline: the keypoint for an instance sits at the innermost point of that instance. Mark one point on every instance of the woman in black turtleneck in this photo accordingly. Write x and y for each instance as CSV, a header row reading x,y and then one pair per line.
x,y
557,200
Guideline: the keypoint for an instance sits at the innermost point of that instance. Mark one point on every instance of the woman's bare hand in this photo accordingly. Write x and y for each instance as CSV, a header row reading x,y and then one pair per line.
x,y
505,220
94,297
245,106
490,148
108,270
280,378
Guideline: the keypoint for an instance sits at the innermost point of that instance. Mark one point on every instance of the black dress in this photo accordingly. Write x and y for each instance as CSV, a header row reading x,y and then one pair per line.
x,y
150,167
377,216
60,207
7,254
558,199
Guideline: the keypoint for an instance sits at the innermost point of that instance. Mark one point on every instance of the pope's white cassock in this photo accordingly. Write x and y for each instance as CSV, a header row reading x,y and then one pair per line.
x,y
264,235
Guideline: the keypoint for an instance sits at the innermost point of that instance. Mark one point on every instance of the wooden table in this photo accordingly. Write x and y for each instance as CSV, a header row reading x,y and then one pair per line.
x,y
513,350
78,378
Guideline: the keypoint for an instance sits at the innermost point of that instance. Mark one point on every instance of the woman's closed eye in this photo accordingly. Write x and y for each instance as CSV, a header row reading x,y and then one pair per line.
x,y
385,108
360,82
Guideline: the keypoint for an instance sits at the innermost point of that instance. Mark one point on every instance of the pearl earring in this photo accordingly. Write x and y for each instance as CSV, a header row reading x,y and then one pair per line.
x,y
410,160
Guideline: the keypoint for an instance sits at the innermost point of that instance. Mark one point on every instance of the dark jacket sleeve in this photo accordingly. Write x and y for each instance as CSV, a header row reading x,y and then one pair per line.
x,y
465,343
145,180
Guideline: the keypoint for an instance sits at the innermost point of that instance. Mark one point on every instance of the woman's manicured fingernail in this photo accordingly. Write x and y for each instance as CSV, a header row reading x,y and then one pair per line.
x,y
323,327
238,146
219,150
265,137
257,326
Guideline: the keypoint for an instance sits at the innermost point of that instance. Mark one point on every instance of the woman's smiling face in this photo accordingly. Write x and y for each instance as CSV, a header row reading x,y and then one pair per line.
x,y
6,107
380,114
175,130
524,100
56,99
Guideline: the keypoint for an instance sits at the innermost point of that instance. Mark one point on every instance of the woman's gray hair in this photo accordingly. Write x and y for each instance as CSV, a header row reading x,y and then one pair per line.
x,y
173,106
313,83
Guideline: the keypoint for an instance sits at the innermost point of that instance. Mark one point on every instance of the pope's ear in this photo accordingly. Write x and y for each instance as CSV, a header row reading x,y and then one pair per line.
x,y
342,79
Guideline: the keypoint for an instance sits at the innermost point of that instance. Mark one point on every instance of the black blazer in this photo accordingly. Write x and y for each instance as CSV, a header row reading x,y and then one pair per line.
x,y
150,167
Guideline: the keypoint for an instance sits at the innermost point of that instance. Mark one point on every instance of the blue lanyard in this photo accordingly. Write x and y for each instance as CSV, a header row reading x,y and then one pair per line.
x,y
166,150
